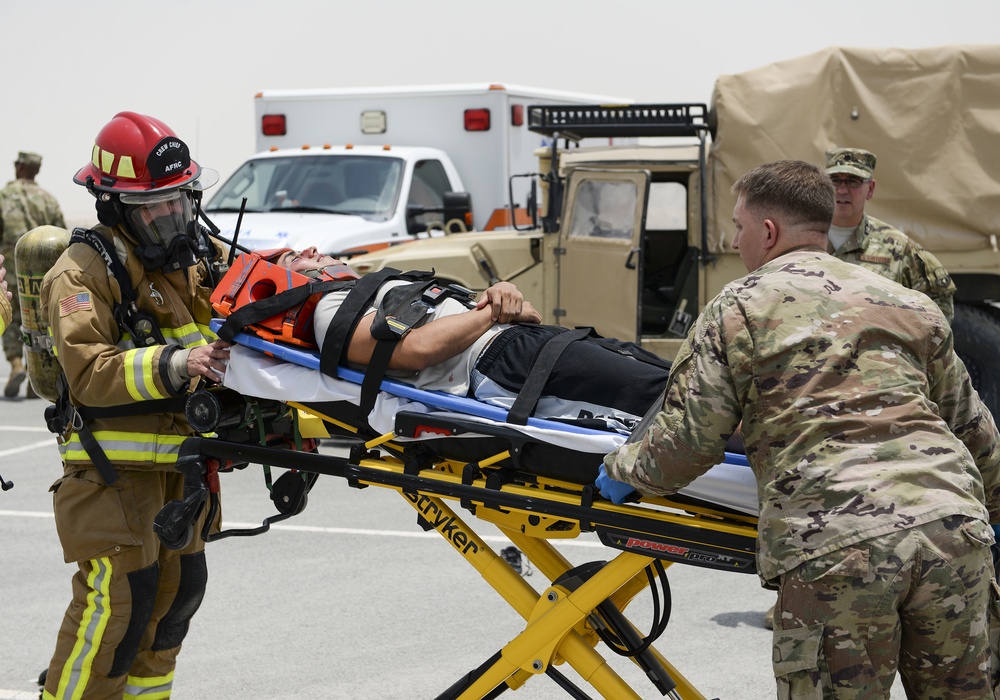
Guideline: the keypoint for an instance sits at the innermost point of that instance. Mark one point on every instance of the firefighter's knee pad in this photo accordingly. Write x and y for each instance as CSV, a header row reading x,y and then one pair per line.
x,y
172,629
143,583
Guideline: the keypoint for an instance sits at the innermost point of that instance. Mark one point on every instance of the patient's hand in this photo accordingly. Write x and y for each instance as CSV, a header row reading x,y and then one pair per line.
x,y
505,300
528,314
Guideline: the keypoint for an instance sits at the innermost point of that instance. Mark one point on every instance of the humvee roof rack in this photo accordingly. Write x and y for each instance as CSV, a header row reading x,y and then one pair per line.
x,y
581,121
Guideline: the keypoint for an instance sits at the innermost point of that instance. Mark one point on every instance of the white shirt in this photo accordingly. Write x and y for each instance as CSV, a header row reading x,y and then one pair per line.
x,y
450,376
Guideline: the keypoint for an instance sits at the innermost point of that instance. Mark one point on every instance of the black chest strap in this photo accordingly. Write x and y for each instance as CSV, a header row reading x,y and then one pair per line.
x,y
141,326
343,325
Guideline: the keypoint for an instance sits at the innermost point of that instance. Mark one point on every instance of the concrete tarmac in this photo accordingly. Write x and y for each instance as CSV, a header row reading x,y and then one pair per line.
x,y
349,600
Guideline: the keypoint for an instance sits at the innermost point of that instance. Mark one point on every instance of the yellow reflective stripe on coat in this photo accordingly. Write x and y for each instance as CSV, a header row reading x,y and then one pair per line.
x,y
155,688
52,344
208,333
76,671
121,446
138,368
3,326
188,335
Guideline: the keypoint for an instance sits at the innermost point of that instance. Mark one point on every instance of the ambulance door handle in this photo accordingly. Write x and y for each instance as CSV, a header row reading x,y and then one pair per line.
x,y
629,262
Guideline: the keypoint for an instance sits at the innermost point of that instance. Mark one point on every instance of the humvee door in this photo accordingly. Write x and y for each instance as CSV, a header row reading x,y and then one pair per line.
x,y
599,261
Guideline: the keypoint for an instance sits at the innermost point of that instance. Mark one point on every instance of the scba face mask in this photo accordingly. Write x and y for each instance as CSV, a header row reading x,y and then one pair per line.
x,y
165,227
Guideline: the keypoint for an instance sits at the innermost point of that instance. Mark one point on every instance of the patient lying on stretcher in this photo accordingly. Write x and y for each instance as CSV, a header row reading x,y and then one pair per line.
x,y
489,348
483,349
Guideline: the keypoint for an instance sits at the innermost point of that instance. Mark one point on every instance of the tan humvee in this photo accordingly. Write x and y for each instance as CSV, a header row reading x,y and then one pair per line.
x,y
639,236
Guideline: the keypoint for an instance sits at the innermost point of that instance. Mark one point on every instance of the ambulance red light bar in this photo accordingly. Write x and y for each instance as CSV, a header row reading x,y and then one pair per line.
x,y
273,125
477,120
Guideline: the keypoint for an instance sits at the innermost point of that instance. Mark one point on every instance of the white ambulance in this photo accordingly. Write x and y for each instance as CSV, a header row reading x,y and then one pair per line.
x,y
358,169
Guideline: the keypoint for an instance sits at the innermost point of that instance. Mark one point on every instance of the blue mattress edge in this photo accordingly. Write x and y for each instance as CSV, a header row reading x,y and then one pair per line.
x,y
309,358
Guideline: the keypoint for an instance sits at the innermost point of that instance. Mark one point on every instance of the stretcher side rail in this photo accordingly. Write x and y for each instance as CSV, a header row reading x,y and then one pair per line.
x,y
553,611
713,542
563,624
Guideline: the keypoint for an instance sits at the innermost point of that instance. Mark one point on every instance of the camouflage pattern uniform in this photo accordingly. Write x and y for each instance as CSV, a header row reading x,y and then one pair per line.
x,y
23,206
874,458
890,252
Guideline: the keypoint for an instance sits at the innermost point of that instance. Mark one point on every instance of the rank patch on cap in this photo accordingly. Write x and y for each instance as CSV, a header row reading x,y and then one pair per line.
x,y
73,303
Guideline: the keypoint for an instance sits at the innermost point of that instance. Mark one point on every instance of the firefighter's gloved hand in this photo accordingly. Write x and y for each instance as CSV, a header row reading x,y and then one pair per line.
x,y
617,492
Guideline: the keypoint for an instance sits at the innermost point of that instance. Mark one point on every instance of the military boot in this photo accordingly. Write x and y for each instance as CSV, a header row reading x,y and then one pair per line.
x,y
16,378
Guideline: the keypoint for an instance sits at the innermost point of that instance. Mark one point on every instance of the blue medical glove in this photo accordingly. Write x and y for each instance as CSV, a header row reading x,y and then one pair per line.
x,y
615,491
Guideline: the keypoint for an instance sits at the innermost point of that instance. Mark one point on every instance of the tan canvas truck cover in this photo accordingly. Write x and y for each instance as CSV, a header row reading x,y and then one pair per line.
x,y
930,115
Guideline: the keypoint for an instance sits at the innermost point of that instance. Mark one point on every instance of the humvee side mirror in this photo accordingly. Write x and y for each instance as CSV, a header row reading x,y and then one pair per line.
x,y
455,205
458,205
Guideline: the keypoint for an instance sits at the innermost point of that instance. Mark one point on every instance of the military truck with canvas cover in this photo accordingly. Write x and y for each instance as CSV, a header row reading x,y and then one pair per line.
x,y
635,240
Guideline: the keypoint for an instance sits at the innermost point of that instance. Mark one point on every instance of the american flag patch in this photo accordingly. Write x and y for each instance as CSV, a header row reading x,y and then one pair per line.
x,y
74,303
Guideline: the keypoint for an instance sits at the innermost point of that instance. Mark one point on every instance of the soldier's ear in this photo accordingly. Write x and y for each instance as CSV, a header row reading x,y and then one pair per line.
x,y
771,229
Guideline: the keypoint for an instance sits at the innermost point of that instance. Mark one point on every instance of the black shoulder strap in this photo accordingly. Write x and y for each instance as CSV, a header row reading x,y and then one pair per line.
x,y
349,314
105,249
141,326
346,320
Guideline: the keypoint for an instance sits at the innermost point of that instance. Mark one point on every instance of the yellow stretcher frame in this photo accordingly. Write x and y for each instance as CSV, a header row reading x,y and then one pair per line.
x,y
559,622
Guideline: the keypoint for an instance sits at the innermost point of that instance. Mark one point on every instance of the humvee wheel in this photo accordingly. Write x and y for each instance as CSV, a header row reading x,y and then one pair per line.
x,y
977,337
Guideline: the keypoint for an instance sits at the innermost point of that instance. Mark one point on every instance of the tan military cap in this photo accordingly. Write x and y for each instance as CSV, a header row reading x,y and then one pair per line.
x,y
850,161
26,158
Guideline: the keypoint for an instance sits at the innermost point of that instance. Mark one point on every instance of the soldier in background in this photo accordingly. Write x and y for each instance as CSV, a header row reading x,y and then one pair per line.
x,y
24,205
864,240
877,465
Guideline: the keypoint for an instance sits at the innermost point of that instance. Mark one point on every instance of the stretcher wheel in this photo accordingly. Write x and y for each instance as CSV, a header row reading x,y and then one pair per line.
x,y
183,539
290,492
170,526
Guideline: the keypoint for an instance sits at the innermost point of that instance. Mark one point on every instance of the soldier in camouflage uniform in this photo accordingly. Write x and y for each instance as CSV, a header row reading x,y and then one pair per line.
x,y
23,206
862,239
877,466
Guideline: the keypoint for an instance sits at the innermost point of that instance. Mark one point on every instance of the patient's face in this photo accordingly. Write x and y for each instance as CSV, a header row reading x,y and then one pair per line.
x,y
308,259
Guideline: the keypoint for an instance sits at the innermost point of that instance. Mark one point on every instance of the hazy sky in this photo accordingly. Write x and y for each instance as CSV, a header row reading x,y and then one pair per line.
x,y
68,67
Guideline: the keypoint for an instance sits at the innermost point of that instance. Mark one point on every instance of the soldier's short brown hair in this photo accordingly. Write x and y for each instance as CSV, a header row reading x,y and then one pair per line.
x,y
797,189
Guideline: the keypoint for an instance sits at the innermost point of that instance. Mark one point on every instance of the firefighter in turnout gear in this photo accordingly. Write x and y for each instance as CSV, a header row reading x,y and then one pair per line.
x,y
128,307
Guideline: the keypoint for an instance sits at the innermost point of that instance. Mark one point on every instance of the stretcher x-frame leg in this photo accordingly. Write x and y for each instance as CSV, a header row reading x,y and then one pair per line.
x,y
551,617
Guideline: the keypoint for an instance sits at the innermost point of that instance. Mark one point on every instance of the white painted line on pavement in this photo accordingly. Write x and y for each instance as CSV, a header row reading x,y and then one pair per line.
x,y
18,694
324,530
28,448
388,533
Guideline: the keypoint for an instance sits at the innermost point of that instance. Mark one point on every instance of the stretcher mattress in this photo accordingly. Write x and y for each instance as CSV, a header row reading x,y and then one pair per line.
x,y
276,371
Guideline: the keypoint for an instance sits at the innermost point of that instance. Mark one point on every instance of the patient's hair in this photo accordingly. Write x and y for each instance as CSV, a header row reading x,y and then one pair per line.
x,y
798,190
